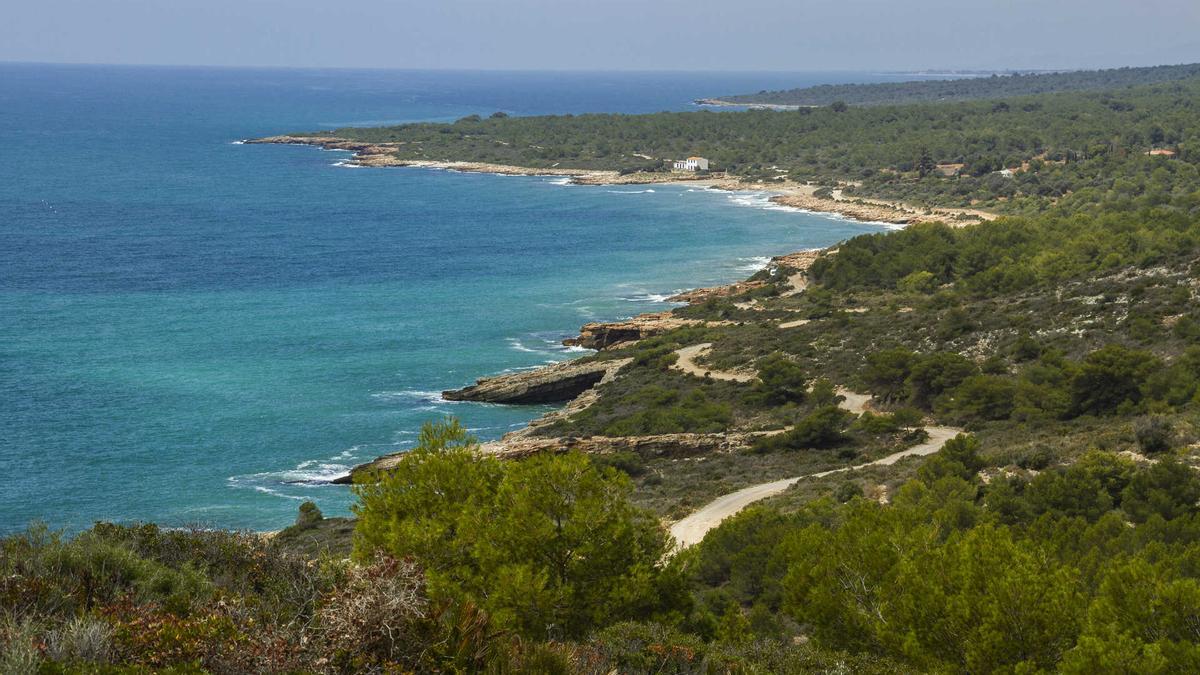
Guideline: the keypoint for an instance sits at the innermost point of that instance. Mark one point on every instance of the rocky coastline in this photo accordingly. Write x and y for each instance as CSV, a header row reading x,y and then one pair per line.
x,y
575,382
787,193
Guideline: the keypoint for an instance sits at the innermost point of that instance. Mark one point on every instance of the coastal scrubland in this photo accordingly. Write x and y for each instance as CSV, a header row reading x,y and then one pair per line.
x,y
1015,155
963,89
1059,533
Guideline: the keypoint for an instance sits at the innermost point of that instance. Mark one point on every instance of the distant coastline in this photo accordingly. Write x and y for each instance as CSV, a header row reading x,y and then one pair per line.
x,y
787,193
790,194
722,103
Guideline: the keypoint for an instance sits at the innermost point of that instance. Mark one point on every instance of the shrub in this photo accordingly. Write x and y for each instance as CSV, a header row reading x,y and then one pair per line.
x,y
1072,492
19,654
877,424
663,411
548,546
378,615
824,393
887,373
1110,380
931,376
1168,489
647,648
84,639
780,381
628,462
955,323
919,282
309,515
1153,434
981,397
959,457
908,417
846,491
824,427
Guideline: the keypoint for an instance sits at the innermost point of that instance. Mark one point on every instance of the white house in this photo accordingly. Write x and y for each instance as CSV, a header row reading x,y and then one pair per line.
x,y
691,164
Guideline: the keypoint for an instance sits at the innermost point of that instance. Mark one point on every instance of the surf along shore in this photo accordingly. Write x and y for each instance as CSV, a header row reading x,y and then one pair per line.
x,y
802,196
576,382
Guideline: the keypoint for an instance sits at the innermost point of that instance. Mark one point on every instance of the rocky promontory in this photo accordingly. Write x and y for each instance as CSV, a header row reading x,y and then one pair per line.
x,y
550,384
603,335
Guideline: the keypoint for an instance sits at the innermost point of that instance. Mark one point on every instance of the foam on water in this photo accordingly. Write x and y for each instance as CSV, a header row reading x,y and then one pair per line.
x,y
753,264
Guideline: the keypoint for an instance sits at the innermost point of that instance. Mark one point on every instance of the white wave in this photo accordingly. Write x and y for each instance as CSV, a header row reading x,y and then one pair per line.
x,y
309,472
753,264
346,164
761,200
238,143
630,192
514,343
277,493
648,297
409,395
560,181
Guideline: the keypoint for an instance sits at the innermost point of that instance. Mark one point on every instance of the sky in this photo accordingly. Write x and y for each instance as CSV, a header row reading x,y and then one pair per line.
x,y
780,35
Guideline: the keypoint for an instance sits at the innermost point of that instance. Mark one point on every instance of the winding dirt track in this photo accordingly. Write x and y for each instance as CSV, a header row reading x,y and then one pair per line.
x,y
692,529
687,363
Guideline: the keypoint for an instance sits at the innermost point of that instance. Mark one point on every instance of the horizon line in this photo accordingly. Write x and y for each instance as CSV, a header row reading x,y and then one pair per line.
x,y
909,71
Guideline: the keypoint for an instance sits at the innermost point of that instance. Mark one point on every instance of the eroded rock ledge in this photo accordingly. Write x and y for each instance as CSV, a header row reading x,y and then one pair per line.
x,y
551,384
669,445
604,335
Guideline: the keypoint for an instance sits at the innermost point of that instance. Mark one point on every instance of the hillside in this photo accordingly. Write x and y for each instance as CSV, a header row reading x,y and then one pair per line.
x,y
1014,155
798,431
966,89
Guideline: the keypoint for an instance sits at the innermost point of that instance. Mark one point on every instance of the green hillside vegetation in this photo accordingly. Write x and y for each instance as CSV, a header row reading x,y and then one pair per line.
x,y
1057,144
1059,533
967,89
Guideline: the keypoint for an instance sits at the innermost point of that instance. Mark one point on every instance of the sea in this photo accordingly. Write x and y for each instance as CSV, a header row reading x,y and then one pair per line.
x,y
199,332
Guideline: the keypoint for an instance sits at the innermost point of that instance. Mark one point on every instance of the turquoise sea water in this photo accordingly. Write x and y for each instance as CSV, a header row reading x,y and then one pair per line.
x,y
196,331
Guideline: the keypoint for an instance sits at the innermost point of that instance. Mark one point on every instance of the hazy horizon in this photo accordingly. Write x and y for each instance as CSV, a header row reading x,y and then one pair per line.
x,y
621,35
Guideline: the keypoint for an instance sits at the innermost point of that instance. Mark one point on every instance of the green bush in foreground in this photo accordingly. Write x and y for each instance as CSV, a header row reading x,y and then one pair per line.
x,y
549,546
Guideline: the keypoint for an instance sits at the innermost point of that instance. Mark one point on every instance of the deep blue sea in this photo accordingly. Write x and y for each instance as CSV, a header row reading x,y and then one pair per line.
x,y
194,331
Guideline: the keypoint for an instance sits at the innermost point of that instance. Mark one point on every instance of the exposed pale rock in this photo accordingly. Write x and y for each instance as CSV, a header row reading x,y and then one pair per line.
x,y
550,384
604,335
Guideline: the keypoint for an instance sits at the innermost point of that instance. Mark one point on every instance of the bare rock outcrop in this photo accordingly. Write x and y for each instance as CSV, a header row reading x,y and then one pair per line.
x,y
697,295
551,384
605,335
520,446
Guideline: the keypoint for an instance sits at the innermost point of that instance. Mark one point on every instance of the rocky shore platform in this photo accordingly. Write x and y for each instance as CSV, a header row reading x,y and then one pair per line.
x,y
555,383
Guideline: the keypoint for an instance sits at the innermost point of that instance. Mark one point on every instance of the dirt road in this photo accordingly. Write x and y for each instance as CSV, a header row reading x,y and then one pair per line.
x,y
692,529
